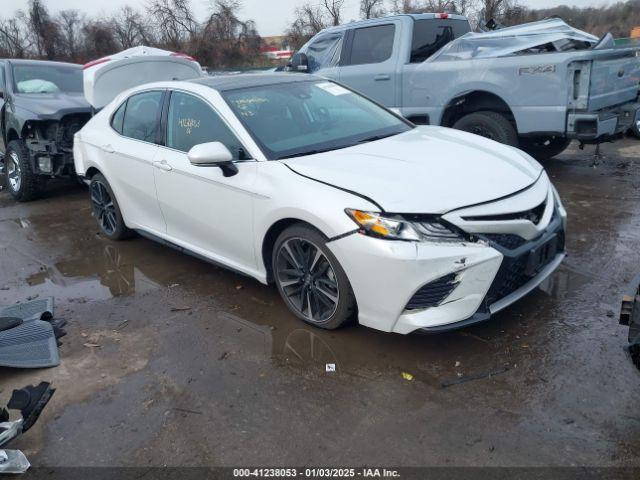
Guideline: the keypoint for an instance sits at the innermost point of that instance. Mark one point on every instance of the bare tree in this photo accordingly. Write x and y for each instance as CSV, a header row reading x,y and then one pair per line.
x,y
466,7
334,10
45,32
371,8
14,41
70,23
440,6
130,28
99,40
174,22
308,21
225,40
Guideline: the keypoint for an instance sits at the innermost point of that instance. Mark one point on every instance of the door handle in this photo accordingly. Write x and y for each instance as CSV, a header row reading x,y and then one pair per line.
x,y
107,148
163,165
382,77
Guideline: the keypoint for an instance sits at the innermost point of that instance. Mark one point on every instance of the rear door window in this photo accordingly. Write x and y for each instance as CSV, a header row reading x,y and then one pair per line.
x,y
142,115
372,44
191,121
430,35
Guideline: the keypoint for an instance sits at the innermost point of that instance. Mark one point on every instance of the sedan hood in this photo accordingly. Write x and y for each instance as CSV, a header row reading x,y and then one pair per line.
x,y
52,105
426,170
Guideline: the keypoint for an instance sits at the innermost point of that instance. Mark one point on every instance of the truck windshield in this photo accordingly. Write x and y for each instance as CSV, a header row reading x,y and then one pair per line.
x,y
430,35
303,118
47,78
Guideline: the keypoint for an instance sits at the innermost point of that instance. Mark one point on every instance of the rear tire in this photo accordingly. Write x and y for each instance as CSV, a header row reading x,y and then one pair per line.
x,y
310,279
22,183
635,130
544,148
492,125
106,210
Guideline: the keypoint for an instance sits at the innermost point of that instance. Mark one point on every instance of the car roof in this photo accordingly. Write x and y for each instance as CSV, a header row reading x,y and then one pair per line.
x,y
20,61
414,16
246,80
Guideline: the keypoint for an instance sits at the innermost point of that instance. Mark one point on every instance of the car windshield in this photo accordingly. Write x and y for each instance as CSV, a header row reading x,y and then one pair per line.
x,y
47,78
302,118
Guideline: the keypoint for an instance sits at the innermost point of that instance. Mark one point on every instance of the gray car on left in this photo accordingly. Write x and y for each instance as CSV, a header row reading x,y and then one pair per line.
x,y
42,106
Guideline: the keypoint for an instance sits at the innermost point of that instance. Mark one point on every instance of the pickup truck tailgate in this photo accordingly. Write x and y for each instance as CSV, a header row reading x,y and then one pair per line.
x,y
614,80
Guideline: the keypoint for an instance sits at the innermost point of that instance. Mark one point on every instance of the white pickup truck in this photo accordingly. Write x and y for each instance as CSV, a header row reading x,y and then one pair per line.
x,y
536,86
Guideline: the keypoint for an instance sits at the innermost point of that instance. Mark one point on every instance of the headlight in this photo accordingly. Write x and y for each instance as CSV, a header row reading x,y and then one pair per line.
x,y
397,227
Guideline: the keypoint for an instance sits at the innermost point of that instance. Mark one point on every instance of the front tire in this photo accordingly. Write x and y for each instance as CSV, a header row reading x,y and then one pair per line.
x,y
635,130
310,279
492,125
22,183
106,210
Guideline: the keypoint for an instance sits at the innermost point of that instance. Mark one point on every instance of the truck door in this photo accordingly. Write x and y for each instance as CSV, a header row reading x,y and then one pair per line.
x,y
370,66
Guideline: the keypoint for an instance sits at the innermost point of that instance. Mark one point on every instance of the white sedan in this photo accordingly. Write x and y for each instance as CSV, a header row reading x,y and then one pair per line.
x,y
350,210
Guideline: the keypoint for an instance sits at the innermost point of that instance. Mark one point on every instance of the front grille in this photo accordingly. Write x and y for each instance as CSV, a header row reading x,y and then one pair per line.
x,y
433,293
513,274
510,277
506,240
534,215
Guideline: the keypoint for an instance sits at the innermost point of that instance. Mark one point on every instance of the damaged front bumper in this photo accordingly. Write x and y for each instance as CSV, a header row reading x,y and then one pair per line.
x,y
47,158
434,287
594,126
630,316
49,143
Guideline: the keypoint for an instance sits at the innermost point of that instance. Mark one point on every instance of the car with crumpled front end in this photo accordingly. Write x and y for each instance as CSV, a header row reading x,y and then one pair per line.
x,y
42,106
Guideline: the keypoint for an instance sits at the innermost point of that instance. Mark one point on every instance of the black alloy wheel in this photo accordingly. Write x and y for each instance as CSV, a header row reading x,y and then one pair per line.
x,y
307,279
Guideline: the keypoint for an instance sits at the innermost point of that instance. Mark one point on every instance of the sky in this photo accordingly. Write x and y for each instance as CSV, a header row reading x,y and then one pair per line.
x,y
271,16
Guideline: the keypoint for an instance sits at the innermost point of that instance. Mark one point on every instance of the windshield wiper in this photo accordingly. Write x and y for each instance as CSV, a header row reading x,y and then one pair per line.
x,y
377,137
308,152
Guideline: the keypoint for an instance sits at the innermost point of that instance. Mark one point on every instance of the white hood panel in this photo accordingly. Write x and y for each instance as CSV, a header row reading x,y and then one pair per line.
x,y
427,170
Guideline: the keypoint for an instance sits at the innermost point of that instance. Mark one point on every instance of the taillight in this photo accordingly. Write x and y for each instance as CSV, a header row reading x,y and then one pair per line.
x,y
183,55
93,63
442,15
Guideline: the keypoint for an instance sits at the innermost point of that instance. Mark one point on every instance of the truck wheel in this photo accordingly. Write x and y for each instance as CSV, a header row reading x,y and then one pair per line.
x,y
22,183
106,210
492,125
635,130
544,148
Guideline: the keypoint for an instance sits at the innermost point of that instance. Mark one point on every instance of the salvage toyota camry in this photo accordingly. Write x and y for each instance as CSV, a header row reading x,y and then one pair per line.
x,y
350,210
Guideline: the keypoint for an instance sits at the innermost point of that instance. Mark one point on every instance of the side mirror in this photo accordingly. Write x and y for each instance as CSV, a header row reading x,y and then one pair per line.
x,y
299,63
213,154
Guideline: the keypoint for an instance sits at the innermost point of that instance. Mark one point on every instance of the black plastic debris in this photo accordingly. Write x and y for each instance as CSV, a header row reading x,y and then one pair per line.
x,y
31,401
